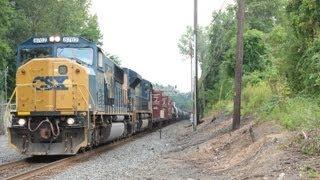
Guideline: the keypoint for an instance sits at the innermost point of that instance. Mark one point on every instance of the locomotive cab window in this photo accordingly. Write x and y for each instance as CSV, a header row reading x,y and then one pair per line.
x,y
100,59
27,54
81,55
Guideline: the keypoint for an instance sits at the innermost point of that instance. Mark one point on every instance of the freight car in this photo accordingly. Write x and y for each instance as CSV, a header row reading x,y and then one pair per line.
x,y
69,96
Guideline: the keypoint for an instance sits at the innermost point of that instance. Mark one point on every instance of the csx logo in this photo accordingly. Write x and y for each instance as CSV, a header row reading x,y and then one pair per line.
x,y
50,83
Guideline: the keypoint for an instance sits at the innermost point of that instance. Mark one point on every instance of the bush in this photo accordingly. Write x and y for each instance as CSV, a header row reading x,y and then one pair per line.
x,y
223,106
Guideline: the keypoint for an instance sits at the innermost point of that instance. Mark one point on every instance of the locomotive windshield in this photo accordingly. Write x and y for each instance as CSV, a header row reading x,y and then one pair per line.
x,y
30,53
83,54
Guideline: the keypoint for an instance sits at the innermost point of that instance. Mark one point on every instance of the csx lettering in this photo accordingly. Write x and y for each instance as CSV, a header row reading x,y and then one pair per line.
x,y
50,83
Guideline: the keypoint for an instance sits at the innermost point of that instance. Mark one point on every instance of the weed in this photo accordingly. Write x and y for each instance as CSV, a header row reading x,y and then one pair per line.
x,y
310,172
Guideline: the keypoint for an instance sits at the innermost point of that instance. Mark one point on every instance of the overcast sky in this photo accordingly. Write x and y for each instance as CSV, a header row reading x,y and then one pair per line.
x,y
145,33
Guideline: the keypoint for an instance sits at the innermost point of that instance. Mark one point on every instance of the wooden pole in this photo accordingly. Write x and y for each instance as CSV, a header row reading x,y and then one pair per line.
x,y
238,66
196,120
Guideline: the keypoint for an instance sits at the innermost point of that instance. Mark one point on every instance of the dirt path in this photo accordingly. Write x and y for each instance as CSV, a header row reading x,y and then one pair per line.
x,y
253,152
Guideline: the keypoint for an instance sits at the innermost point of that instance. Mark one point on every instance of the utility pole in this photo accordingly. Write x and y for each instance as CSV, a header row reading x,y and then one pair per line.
x,y
196,116
5,84
191,53
238,66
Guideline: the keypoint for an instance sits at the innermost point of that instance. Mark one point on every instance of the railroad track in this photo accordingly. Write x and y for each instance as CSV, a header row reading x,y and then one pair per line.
x,y
12,169
7,171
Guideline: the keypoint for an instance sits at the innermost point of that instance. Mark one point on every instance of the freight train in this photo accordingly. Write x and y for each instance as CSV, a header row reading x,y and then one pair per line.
x,y
69,96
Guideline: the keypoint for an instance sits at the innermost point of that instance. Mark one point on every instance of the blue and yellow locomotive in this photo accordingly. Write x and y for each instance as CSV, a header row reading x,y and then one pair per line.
x,y
70,96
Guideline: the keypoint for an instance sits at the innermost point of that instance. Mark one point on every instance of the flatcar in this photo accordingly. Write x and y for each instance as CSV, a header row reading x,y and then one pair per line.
x,y
69,96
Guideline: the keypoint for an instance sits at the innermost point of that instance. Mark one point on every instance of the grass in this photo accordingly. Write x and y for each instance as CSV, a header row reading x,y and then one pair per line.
x,y
254,97
309,172
296,114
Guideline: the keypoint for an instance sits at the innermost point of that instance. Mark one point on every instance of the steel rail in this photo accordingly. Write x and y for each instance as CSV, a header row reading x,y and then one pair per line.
x,y
11,164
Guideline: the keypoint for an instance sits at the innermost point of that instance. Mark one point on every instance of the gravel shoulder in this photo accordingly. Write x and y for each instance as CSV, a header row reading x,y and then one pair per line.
x,y
8,154
142,158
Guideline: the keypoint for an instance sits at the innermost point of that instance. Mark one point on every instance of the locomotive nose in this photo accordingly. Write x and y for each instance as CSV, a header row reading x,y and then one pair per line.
x,y
52,85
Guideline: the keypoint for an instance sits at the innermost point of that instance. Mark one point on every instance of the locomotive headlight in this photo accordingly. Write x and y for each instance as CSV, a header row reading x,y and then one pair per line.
x,y
22,122
57,38
70,121
51,38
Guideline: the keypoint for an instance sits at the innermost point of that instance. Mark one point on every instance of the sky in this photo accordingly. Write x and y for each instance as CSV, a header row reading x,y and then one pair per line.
x,y
145,33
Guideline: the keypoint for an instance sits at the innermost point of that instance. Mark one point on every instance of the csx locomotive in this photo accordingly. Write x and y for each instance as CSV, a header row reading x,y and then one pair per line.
x,y
69,96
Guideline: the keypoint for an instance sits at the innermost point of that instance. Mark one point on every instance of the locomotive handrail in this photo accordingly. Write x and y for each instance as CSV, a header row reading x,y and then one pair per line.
x,y
8,109
88,111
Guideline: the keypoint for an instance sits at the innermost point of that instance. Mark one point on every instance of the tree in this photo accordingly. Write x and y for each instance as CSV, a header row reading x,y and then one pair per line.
x,y
255,51
91,31
116,59
22,19
6,51
263,15
302,47
186,42
63,17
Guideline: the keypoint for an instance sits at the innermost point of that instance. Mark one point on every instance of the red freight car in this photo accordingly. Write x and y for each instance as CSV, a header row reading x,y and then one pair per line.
x,y
162,106
165,106
157,103
170,108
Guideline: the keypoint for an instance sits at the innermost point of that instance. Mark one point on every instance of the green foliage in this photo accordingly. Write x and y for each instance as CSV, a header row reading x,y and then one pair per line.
x,y
222,106
6,13
309,68
116,59
263,15
304,17
302,54
62,17
255,96
297,113
185,42
309,172
281,61
255,51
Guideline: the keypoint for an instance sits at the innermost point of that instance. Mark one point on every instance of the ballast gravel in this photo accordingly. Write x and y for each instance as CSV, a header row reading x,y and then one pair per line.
x,y
7,154
142,158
